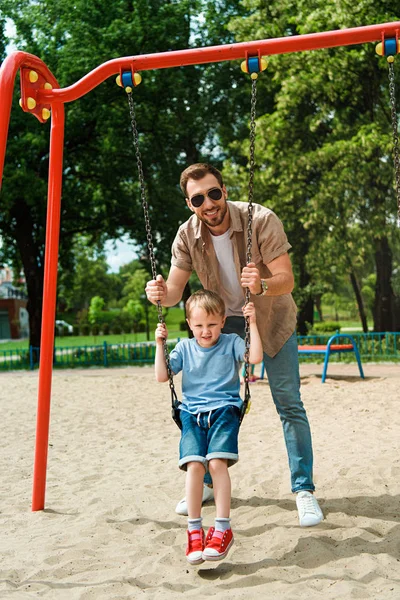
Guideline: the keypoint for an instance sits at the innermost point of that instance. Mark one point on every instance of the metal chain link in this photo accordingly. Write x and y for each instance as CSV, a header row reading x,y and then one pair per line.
x,y
150,244
396,157
250,213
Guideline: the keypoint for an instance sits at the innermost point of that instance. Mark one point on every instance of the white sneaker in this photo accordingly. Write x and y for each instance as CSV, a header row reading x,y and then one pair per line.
x,y
181,507
309,511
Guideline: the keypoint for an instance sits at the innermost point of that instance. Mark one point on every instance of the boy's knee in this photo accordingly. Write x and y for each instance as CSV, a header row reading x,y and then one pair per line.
x,y
196,467
217,464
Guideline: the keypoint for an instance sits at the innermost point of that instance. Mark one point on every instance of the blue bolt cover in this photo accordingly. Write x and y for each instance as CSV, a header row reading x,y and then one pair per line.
x,y
390,47
126,79
253,64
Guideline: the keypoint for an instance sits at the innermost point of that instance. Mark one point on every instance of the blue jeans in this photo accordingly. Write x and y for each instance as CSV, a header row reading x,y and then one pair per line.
x,y
209,435
284,380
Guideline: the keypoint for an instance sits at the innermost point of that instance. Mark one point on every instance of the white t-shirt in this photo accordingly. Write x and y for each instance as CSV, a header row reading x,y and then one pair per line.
x,y
232,291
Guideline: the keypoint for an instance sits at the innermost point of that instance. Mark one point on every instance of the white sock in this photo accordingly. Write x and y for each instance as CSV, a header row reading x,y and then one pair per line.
x,y
195,524
222,524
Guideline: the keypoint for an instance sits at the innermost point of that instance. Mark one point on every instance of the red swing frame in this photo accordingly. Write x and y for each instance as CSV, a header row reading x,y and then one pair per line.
x,y
47,95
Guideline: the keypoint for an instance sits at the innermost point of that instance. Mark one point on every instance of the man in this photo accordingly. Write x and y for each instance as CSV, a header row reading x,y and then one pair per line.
x,y
213,242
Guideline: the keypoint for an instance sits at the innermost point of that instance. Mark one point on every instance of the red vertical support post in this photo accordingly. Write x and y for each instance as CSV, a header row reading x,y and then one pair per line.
x,y
49,305
5,109
7,76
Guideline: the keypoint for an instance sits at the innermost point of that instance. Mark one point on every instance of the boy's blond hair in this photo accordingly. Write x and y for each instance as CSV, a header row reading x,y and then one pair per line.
x,y
209,301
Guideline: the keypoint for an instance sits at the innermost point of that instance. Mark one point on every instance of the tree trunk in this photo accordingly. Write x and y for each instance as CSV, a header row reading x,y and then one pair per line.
x,y
146,314
32,262
305,314
185,296
318,306
359,299
397,313
384,303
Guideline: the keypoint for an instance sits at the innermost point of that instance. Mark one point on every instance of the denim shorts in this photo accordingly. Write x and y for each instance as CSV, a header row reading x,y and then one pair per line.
x,y
209,435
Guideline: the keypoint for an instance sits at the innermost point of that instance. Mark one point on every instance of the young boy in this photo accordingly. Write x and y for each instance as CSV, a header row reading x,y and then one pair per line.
x,y
210,413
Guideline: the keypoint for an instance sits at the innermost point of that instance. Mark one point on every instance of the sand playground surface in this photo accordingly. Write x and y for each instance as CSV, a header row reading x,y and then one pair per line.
x,y
109,530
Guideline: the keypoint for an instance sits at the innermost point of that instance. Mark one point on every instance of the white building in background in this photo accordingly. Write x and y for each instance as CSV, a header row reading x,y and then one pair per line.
x,y
6,275
14,318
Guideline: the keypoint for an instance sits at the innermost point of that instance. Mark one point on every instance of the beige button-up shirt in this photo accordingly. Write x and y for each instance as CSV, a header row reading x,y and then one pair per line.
x,y
193,250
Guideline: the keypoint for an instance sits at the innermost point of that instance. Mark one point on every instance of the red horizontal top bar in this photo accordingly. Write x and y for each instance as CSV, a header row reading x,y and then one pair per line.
x,y
180,58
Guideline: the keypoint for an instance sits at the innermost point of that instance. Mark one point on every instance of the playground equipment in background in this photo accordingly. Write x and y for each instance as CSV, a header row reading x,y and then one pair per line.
x,y
42,96
330,348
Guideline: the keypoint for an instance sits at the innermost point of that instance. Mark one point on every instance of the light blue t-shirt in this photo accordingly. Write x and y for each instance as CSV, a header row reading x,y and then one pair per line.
x,y
210,376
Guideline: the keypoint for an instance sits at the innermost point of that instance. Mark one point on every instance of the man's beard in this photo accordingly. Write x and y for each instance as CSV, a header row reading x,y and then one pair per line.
x,y
215,222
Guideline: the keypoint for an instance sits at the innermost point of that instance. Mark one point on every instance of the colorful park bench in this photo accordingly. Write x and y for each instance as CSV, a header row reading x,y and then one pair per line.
x,y
330,348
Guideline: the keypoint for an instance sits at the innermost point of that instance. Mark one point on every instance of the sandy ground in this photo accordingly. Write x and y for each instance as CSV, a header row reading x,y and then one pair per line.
x,y
109,530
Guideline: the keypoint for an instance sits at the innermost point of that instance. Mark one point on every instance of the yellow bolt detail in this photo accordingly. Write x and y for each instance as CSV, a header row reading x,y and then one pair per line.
x,y
48,86
31,103
254,75
33,76
137,78
128,89
379,49
243,66
390,59
118,81
45,114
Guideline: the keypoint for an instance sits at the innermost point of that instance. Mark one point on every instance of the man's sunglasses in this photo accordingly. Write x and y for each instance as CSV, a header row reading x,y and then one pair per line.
x,y
198,199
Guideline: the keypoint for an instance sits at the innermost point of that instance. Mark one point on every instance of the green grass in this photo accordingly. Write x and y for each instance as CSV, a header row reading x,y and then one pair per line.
x,y
92,340
173,319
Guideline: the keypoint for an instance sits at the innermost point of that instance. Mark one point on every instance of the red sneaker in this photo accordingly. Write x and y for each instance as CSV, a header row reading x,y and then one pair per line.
x,y
195,547
218,544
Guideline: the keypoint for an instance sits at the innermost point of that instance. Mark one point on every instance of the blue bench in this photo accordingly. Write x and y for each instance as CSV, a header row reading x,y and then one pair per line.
x,y
331,347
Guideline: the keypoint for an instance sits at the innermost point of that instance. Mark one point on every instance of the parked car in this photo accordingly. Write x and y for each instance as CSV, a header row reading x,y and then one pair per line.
x,y
60,325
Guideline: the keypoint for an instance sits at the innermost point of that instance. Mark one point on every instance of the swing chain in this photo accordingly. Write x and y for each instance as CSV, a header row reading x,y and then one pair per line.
x,y
250,210
396,157
150,244
252,167
246,402
143,196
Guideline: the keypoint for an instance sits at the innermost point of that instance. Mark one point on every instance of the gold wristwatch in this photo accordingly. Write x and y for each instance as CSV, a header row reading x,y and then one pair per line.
x,y
264,288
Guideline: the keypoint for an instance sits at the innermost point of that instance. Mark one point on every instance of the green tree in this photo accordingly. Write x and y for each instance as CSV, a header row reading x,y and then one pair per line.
x,y
129,268
101,196
95,309
136,313
133,292
86,275
135,284
324,149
